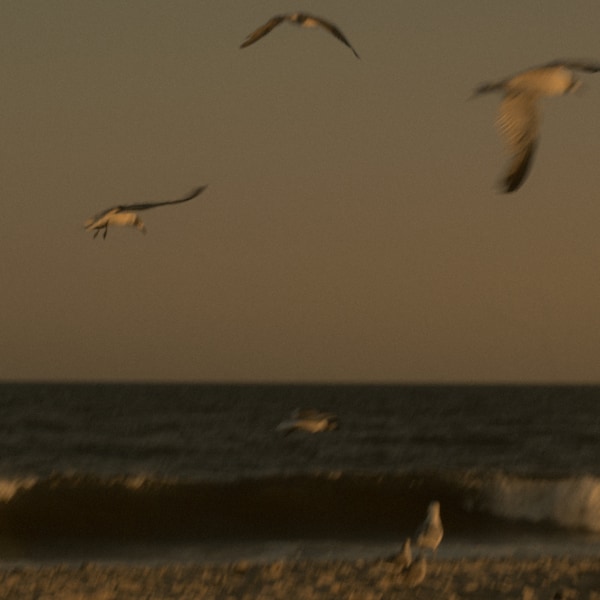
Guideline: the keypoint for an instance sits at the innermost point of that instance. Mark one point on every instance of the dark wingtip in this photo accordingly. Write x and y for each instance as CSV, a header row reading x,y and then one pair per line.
x,y
516,177
484,88
514,181
511,185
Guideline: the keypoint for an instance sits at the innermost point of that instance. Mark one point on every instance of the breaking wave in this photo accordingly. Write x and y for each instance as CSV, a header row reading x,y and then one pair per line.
x,y
306,506
572,503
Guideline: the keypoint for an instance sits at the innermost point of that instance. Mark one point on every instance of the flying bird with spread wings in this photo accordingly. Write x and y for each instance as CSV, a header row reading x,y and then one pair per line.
x,y
311,420
124,215
519,118
301,19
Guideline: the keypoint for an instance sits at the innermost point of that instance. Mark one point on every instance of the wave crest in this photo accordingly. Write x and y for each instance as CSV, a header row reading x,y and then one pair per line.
x,y
572,503
320,505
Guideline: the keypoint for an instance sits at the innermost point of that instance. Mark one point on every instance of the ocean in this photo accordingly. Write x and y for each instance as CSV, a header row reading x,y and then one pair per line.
x,y
147,473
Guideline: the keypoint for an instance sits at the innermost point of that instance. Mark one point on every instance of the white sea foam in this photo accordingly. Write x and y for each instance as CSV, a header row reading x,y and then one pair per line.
x,y
571,502
9,487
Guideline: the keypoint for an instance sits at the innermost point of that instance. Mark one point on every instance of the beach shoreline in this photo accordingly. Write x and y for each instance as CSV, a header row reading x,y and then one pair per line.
x,y
544,578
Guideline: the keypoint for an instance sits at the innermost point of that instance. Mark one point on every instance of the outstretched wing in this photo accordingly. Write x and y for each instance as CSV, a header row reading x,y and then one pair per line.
x,y
587,66
336,32
147,205
263,30
518,123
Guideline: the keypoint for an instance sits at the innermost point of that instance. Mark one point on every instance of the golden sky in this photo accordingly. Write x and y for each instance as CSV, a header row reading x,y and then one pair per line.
x,y
352,229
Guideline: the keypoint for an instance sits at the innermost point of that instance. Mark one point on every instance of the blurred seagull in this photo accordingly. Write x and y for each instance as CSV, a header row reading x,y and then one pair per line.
x,y
403,559
414,575
310,420
123,214
430,532
302,19
519,119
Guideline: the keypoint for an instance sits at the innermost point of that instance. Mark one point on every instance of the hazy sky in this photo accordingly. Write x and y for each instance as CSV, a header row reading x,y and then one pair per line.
x,y
352,229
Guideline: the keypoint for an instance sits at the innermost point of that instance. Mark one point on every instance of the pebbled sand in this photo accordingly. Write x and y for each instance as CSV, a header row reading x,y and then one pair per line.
x,y
476,579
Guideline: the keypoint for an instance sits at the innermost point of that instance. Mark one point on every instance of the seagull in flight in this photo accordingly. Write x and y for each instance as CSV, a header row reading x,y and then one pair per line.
x,y
519,117
302,19
124,214
310,420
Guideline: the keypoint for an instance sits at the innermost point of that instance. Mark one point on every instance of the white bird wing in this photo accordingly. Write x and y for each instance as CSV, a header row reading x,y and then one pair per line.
x,y
518,123
263,30
336,32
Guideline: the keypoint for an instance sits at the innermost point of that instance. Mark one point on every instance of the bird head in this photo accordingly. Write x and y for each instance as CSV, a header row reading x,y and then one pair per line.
x,y
434,508
575,86
139,224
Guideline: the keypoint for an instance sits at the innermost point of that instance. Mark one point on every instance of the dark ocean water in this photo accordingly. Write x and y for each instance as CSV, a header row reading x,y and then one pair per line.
x,y
199,472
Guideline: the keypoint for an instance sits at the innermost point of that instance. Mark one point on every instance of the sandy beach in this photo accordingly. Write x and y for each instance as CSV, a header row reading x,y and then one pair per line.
x,y
474,579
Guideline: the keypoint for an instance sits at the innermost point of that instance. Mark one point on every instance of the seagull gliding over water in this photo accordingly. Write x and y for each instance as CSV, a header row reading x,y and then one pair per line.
x,y
123,214
519,119
310,420
302,19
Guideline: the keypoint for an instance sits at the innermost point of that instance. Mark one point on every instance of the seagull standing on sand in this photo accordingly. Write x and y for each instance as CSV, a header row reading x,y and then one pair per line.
x,y
415,573
403,559
430,533
123,214
519,119
302,19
